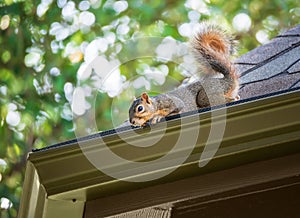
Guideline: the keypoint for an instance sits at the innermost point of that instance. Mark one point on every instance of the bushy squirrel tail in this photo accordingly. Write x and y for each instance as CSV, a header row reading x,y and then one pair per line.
x,y
213,48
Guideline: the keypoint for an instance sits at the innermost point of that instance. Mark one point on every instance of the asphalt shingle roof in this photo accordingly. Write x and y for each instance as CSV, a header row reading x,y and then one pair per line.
x,y
272,67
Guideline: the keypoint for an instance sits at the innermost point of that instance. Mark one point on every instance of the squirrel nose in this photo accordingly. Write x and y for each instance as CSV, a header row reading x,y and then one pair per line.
x,y
132,121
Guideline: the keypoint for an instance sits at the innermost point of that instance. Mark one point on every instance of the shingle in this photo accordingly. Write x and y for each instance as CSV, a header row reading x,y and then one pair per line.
x,y
272,68
296,85
278,83
262,53
243,67
295,68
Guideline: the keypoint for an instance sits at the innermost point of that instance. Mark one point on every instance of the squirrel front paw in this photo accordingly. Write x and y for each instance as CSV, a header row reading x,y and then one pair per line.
x,y
156,119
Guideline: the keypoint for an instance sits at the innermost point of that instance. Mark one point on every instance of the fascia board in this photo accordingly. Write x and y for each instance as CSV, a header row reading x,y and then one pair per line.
x,y
255,130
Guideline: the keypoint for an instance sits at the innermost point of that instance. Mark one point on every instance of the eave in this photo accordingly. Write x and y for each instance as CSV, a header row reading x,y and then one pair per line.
x,y
60,180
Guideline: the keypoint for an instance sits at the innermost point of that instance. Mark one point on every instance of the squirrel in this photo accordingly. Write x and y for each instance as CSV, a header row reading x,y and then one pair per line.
x,y
212,48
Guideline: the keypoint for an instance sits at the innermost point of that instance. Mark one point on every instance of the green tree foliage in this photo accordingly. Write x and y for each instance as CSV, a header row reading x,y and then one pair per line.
x,y
46,44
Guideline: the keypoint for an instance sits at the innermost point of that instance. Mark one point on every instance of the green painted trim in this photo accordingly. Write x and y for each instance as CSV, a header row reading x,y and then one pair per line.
x,y
255,130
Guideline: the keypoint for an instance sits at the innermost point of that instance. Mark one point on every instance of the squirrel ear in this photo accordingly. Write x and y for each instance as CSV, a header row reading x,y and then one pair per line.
x,y
146,98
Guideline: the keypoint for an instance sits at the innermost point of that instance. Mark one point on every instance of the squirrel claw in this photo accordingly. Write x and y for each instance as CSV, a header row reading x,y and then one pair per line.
x,y
156,119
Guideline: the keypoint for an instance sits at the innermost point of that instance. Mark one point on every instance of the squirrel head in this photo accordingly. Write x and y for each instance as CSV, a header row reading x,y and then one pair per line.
x,y
141,110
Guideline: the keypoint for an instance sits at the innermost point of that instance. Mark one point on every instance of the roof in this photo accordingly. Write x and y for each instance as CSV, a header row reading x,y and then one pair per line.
x,y
60,178
272,67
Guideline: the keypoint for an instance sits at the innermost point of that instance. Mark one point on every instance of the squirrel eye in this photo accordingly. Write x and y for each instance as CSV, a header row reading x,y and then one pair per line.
x,y
140,108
